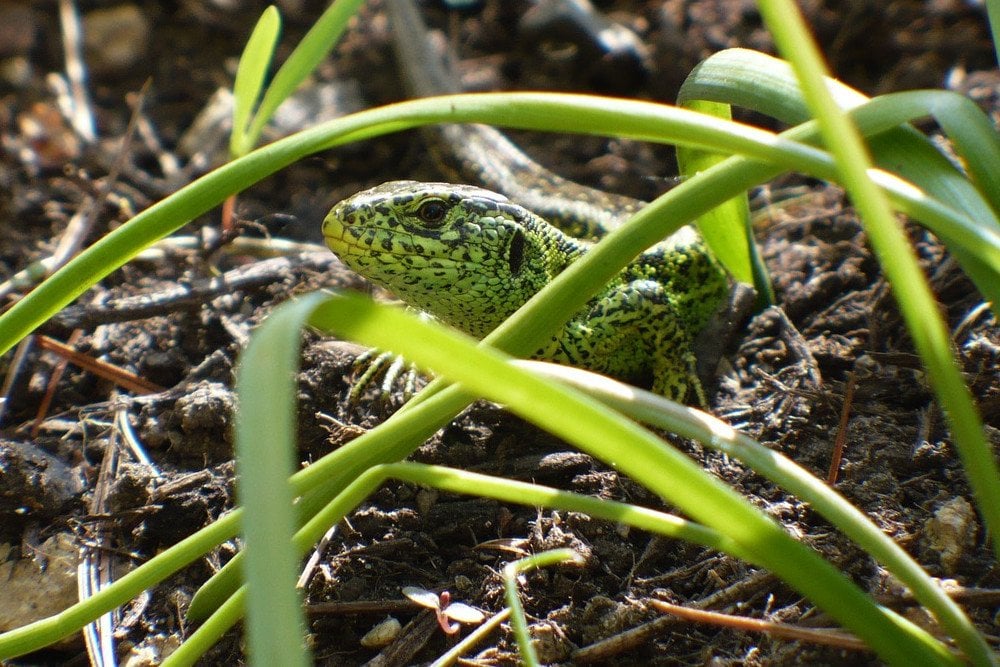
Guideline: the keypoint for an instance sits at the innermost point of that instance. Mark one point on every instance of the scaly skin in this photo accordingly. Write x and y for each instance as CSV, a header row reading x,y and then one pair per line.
x,y
470,258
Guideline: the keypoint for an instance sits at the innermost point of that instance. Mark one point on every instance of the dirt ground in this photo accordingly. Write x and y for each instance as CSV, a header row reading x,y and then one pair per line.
x,y
784,385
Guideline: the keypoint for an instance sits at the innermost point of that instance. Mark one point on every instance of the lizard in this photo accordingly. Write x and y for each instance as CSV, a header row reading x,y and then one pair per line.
x,y
470,257
487,255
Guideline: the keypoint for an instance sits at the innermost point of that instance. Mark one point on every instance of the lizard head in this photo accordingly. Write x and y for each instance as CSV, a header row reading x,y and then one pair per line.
x,y
463,254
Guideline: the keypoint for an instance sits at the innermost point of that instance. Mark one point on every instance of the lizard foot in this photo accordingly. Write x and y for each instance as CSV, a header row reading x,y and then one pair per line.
x,y
384,369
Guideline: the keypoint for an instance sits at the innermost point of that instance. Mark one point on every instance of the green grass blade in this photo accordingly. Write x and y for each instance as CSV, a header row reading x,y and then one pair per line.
x,y
320,39
511,572
209,632
391,441
222,614
974,138
343,465
265,446
46,631
766,84
726,228
533,112
535,495
269,384
250,75
993,11
211,189
527,110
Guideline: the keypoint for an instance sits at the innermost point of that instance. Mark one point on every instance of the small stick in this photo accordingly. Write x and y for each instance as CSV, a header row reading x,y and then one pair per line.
x,y
825,636
841,439
119,376
50,390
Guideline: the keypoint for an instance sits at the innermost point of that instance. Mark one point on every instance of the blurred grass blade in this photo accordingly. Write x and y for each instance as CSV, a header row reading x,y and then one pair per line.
x,y
265,447
975,140
250,76
993,11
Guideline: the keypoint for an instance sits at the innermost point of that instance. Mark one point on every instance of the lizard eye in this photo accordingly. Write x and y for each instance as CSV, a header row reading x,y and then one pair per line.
x,y
432,212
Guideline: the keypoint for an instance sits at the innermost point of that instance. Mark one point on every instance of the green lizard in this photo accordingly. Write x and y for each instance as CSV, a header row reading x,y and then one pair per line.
x,y
470,258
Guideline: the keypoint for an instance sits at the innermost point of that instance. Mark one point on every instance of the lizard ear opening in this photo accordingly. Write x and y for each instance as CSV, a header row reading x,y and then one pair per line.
x,y
516,256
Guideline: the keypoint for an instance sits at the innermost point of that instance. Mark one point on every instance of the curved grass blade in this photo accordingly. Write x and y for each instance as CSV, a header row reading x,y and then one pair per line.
x,y
654,410
766,84
638,120
636,452
213,188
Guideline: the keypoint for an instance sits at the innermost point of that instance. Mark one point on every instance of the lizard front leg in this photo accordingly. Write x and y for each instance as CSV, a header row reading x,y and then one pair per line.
x,y
633,331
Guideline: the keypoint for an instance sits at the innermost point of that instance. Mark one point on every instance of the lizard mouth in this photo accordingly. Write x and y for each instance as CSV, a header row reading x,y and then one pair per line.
x,y
371,240
387,255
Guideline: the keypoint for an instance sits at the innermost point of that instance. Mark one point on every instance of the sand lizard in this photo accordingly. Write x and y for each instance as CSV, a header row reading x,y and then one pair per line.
x,y
470,258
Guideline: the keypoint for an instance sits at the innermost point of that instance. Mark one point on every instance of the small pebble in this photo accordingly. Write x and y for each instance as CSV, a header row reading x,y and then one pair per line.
x,y
952,531
115,38
382,634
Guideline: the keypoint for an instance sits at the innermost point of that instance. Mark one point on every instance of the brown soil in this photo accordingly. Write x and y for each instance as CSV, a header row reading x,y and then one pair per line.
x,y
784,383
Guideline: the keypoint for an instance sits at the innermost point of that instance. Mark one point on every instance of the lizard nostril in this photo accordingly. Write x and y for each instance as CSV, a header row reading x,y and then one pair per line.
x,y
346,217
